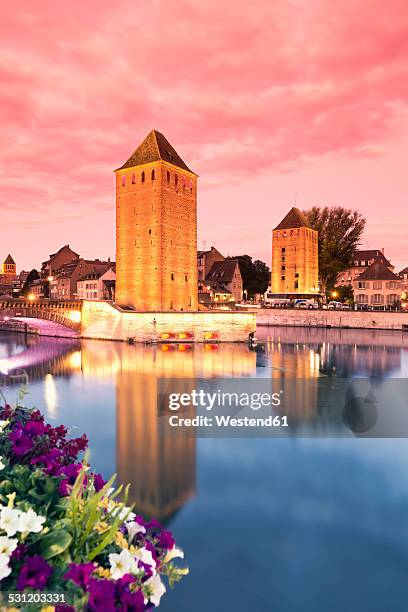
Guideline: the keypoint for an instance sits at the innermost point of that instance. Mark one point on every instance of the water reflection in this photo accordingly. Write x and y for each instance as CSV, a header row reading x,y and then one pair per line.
x,y
162,469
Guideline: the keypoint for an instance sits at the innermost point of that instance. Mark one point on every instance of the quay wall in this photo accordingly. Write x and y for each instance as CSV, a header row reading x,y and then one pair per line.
x,y
331,318
105,321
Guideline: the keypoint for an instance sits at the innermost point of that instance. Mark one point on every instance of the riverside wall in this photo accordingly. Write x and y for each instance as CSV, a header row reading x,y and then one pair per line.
x,y
105,321
332,318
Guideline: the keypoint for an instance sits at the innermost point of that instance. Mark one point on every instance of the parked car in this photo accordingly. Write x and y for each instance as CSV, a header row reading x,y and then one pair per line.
x,y
305,303
335,305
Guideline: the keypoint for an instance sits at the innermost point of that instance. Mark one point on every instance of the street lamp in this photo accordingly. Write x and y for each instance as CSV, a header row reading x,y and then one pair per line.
x,y
334,294
31,297
245,295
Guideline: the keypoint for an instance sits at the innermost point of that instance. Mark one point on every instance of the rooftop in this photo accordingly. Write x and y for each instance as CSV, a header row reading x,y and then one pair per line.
x,y
295,218
376,254
223,270
378,271
9,260
155,147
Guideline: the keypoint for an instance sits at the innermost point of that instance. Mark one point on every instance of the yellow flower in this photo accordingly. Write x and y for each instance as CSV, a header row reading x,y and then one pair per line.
x,y
48,609
101,526
120,540
102,573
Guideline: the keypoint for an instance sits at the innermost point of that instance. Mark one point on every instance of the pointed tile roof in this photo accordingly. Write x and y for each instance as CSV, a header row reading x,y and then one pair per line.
x,y
9,260
377,271
294,218
155,147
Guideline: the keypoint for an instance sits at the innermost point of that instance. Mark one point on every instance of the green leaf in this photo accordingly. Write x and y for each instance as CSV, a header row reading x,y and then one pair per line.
x,y
54,543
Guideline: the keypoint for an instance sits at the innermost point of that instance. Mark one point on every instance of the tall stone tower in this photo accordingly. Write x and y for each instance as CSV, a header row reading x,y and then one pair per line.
x,y
8,268
156,229
295,267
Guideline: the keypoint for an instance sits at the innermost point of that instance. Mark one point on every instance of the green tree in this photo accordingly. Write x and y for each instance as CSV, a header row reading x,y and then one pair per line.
x,y
340,231
255,274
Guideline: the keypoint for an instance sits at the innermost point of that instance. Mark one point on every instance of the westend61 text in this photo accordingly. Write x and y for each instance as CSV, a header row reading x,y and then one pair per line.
x,y
227,421
220,399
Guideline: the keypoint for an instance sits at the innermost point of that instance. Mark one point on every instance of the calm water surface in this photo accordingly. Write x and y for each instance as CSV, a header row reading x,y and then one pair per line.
x,y
287,525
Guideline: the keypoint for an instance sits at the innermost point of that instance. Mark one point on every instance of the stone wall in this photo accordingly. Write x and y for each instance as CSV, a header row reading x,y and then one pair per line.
x,y
105,321
332,318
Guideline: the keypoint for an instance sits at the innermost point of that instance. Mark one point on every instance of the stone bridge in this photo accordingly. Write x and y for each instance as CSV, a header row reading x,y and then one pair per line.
x,y
64,315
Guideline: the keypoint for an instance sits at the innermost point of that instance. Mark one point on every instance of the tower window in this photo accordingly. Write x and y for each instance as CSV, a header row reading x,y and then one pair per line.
x,y
143,176
168,176
133,178
172,276
123,180
150,231
176,180
153,176
191,184
282,277
186,277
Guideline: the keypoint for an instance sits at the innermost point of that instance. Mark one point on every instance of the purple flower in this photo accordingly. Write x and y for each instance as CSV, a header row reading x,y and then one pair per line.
x,y
19,552
21,443
80,573
71,473
64,608
99,482
34,574
34,428
166,540
101,595
132,601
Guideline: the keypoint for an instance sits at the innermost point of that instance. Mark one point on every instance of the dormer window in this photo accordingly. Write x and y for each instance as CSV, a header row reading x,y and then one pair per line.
x,y
143,176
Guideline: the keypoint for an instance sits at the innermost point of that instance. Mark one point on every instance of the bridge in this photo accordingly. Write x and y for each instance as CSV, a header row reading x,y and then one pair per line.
x,y
51,317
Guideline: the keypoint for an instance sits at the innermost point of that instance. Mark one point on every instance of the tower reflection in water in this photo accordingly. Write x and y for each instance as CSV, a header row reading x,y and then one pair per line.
x,y
160,468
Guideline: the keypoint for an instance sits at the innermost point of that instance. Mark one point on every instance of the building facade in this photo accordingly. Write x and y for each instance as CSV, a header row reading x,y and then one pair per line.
x,y
97,286
63,285
224,281
377,287
361,261
56,261
295,267
205,261
156,230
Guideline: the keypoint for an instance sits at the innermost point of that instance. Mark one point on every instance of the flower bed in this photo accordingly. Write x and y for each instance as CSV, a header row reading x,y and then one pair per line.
x,y
64,530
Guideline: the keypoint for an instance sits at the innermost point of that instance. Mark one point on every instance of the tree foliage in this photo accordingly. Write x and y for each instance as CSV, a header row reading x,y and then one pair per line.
x,y
340,231
255,274
32,276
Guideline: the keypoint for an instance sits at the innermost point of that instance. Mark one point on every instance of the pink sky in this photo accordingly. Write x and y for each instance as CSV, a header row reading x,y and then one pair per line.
x,y
264,100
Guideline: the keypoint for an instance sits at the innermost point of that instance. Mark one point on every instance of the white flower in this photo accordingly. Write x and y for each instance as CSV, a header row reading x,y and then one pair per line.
x,y
9,520
2,465
30,521
145,556
133,528
156,589
3,424
7,545
5,569
122,564
173,554
126,514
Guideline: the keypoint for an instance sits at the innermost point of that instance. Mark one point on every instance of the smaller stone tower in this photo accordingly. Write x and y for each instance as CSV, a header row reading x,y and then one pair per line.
x,y
295,267
8,268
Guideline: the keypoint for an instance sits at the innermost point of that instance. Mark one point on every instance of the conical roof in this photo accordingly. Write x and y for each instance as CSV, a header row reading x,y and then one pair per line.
x,y
155,147
295,218
9,260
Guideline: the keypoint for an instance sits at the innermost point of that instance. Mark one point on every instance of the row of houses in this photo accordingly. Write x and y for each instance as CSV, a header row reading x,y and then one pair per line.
x,y
374,281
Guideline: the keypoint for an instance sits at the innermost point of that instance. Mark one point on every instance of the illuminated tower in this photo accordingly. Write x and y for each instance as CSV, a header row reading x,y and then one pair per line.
x,y
156,229
8,268
295,267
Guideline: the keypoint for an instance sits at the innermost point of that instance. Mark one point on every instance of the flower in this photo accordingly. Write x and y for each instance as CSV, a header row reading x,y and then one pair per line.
x,y
9,520
155,589
145,556
121,564
5,569
101,595
166,540
34,574
3,424
80,573
7,545
133,528
30,522
98,481
2,465
173,554
21,443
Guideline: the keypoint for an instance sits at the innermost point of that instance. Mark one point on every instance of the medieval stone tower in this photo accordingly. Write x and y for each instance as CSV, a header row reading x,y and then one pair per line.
x,y
156,229
295,256
8,268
